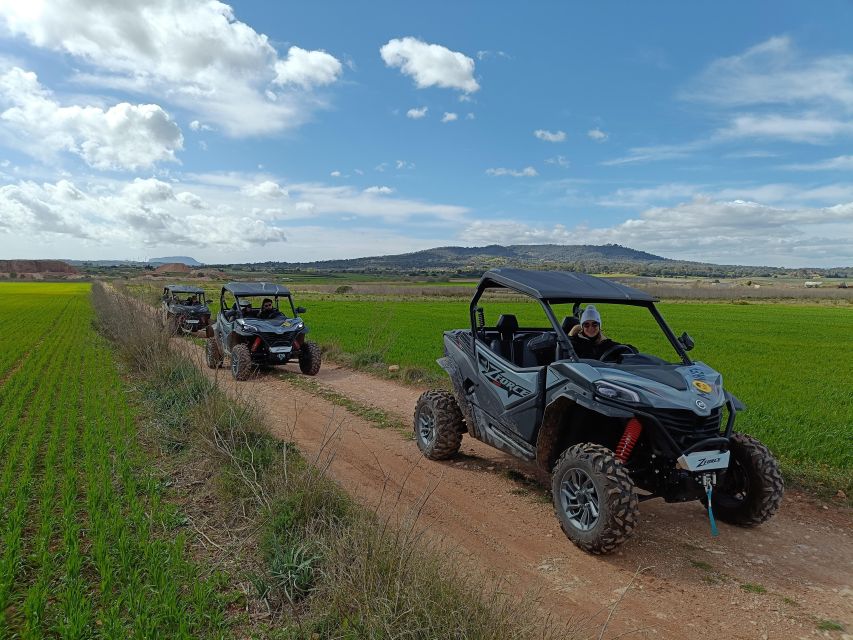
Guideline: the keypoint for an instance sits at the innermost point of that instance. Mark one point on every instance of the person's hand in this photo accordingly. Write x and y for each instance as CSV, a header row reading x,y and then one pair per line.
x,y
575,330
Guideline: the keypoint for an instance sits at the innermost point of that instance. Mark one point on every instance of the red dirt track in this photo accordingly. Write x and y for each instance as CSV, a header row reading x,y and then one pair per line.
x,y
690,585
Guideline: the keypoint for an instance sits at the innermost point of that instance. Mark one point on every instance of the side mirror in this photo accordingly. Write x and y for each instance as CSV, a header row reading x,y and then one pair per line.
x,y
301,309
686,341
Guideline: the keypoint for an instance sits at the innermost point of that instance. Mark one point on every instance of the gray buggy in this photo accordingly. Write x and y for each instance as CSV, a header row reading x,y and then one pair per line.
x,y
627,427
184,309
252,336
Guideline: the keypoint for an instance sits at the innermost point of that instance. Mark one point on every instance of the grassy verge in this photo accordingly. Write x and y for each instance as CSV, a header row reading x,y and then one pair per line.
x,y
307,562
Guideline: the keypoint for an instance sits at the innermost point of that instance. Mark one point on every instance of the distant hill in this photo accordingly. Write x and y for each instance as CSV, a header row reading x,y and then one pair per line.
x,y
192,262
491,256
608,258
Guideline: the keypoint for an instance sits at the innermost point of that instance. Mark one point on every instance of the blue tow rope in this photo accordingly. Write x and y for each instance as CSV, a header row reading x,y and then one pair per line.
x,y
714,531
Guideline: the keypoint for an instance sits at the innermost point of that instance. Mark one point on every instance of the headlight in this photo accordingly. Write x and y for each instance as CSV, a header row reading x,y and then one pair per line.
x,y
615,392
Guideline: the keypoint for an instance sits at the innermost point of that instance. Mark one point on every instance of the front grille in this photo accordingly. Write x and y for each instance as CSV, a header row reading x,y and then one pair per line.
x,y
686,427
278,341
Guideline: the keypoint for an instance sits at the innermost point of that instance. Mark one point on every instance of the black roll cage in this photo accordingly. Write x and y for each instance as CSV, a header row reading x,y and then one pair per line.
x,y
563,342
172,292
274,296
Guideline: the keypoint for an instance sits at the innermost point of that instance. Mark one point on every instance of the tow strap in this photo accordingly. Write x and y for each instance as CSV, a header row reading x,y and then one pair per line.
x,y
708,491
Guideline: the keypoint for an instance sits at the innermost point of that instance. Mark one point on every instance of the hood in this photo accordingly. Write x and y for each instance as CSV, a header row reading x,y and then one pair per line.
x,y
277,326
195,309
696,387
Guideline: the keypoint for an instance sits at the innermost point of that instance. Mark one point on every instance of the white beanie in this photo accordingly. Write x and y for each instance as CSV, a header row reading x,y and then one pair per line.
x,y
590,314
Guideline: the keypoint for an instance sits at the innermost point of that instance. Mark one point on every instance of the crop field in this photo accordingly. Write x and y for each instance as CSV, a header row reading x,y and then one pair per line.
x,y
87,548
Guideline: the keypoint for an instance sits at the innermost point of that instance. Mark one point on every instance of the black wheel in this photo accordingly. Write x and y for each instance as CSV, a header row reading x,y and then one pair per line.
x,y
241,362
751,489
309,359
594,498
438,424
212,354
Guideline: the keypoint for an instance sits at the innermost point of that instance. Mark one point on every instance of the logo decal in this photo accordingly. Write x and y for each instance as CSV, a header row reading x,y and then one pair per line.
x,y
703,461
701,404
498,378
704,387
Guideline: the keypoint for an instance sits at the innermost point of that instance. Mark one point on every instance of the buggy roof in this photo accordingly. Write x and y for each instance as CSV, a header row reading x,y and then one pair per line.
x,y
562,286
183,288
256,289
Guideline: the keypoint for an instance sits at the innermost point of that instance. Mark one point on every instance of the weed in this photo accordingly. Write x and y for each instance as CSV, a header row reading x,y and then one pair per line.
x,y
829,625
699,564
753,588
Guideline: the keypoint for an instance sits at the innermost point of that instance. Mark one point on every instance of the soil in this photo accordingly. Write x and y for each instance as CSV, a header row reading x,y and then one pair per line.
x,y
671,580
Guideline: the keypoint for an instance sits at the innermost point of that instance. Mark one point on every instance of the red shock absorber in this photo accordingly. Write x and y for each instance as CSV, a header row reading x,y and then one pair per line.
x,y
629,438
256,343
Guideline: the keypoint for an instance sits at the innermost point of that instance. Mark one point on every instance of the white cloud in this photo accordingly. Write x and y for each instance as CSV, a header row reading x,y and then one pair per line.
x,y
417,113
470,116
597,134
705,230
195,125
371,203
839,163
635,198
485,54
141,213
196,55
811,98
404,165
656,153
810,127
192,200
527,172
124,136
335,174
307,69
449,117
560,161
774,72
265,189
430,65
248,212
550,136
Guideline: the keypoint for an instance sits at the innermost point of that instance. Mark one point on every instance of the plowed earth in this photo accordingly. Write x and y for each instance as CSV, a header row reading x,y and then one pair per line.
x,y
779,580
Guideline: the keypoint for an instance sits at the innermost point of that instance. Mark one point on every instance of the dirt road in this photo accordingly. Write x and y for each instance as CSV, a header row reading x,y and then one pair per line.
x,y
777,581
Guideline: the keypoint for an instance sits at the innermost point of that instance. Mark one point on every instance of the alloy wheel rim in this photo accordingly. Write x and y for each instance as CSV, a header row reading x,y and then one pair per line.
x,y
579,499
426,426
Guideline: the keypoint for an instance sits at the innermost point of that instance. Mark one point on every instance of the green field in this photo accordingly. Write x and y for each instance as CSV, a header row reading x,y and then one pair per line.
x,y
85,543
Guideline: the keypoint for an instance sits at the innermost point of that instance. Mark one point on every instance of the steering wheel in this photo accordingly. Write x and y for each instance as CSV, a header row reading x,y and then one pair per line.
x,y
616,350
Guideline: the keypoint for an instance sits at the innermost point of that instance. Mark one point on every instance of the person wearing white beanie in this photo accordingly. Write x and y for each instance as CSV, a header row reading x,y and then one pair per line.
x,y
587,339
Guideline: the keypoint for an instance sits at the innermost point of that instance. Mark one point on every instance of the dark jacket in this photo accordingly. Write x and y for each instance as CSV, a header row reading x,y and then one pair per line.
x,y
590,349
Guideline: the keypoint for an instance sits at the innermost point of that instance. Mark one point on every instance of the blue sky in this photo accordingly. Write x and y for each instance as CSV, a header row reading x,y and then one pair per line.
x,y
301,131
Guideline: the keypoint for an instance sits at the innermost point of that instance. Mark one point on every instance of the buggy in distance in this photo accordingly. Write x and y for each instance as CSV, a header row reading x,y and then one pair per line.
x,y
184,309
251,336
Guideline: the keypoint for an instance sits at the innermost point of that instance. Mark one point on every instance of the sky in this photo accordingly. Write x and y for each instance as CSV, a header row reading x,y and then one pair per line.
x,y
296,131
